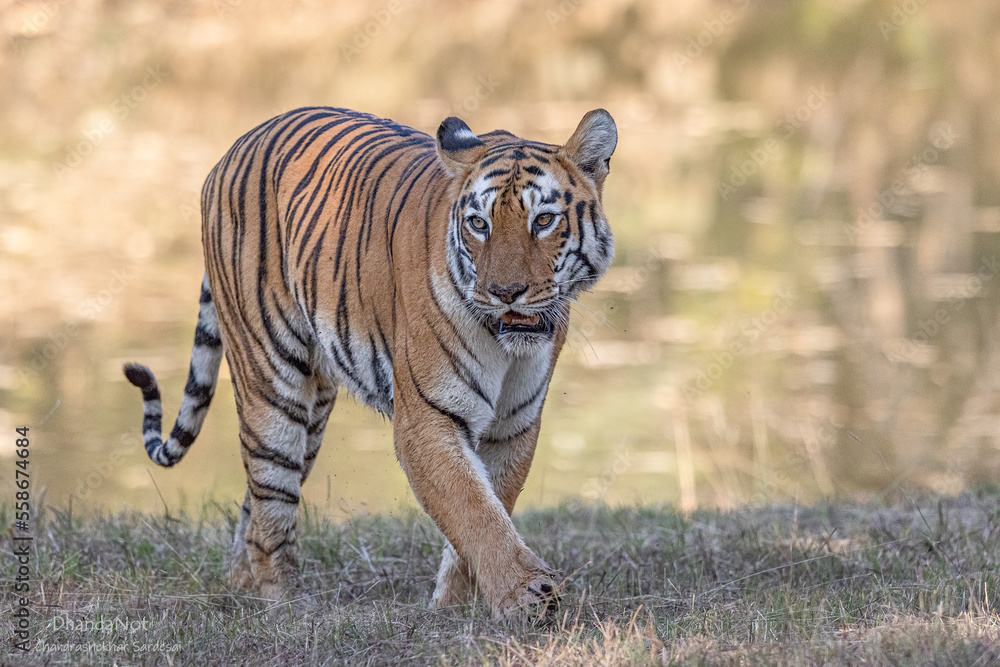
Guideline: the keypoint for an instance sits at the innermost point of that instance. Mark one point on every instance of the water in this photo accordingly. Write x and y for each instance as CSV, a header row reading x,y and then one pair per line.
x,y
690,381
85,428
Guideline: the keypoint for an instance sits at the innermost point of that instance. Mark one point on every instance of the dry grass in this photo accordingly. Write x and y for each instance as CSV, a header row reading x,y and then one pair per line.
x,y
824,401
835,584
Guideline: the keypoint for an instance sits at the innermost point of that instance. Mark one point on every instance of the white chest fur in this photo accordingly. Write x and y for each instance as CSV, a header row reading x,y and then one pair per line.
x,y
521,395
512,386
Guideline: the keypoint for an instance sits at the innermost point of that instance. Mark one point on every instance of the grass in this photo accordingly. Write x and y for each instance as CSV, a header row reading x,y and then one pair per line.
x,y
915,583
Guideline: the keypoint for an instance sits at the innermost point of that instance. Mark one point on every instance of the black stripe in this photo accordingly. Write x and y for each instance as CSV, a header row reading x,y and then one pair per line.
x,y
382,387
514,436
415,178
150,393
262,451
385,381
343,323
269,552
490,158
581,234
260,491
262,270
196,390
295,411
461,370
455,419
306,140
203,336
322,194
534,397
183,436
430,289
315,428
152,423
274,457
287,321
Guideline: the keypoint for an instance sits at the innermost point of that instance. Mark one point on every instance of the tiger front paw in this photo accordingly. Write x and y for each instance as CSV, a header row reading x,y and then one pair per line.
x,y
537,600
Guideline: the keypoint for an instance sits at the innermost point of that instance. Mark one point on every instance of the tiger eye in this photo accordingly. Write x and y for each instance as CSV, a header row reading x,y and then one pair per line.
x,y
477,223
544,220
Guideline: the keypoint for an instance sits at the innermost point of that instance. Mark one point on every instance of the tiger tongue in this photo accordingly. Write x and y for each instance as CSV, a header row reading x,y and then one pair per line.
x,y
511,318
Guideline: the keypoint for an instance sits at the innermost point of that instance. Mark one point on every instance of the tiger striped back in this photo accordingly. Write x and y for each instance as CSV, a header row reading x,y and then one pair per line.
x,y
431,278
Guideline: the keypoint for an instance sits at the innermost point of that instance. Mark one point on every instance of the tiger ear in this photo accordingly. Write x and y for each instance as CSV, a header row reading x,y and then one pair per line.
x,y
592,144
458,147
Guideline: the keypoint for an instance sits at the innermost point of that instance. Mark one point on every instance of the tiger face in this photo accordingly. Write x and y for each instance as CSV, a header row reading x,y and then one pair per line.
x,y
527,232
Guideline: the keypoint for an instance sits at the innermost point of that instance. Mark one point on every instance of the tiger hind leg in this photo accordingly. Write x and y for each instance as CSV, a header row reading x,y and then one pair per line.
x,y
244,573
240,574
273,447
325,396
456,583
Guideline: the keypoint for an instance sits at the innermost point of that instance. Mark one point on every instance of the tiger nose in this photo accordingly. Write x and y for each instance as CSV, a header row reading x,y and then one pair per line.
x,y
509,293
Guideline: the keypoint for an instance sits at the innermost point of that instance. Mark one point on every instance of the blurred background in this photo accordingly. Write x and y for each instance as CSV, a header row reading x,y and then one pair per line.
x,y
805,197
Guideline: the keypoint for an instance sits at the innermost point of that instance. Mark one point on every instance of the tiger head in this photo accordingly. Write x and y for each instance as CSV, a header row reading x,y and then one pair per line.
x,y
527,232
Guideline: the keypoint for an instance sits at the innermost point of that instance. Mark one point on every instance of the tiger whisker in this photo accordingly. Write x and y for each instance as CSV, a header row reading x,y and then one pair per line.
x,y
577,280
589,276
577,330
601,318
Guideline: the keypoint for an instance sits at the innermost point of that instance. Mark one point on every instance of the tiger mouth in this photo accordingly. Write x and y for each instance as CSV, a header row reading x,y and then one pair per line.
x,y
515,322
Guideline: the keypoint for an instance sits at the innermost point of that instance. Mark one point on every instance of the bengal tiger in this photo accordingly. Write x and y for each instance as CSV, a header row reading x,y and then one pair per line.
x,y
432,279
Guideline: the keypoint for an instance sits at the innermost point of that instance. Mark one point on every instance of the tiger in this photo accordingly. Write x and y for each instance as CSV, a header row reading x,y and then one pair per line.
x,y
429,277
